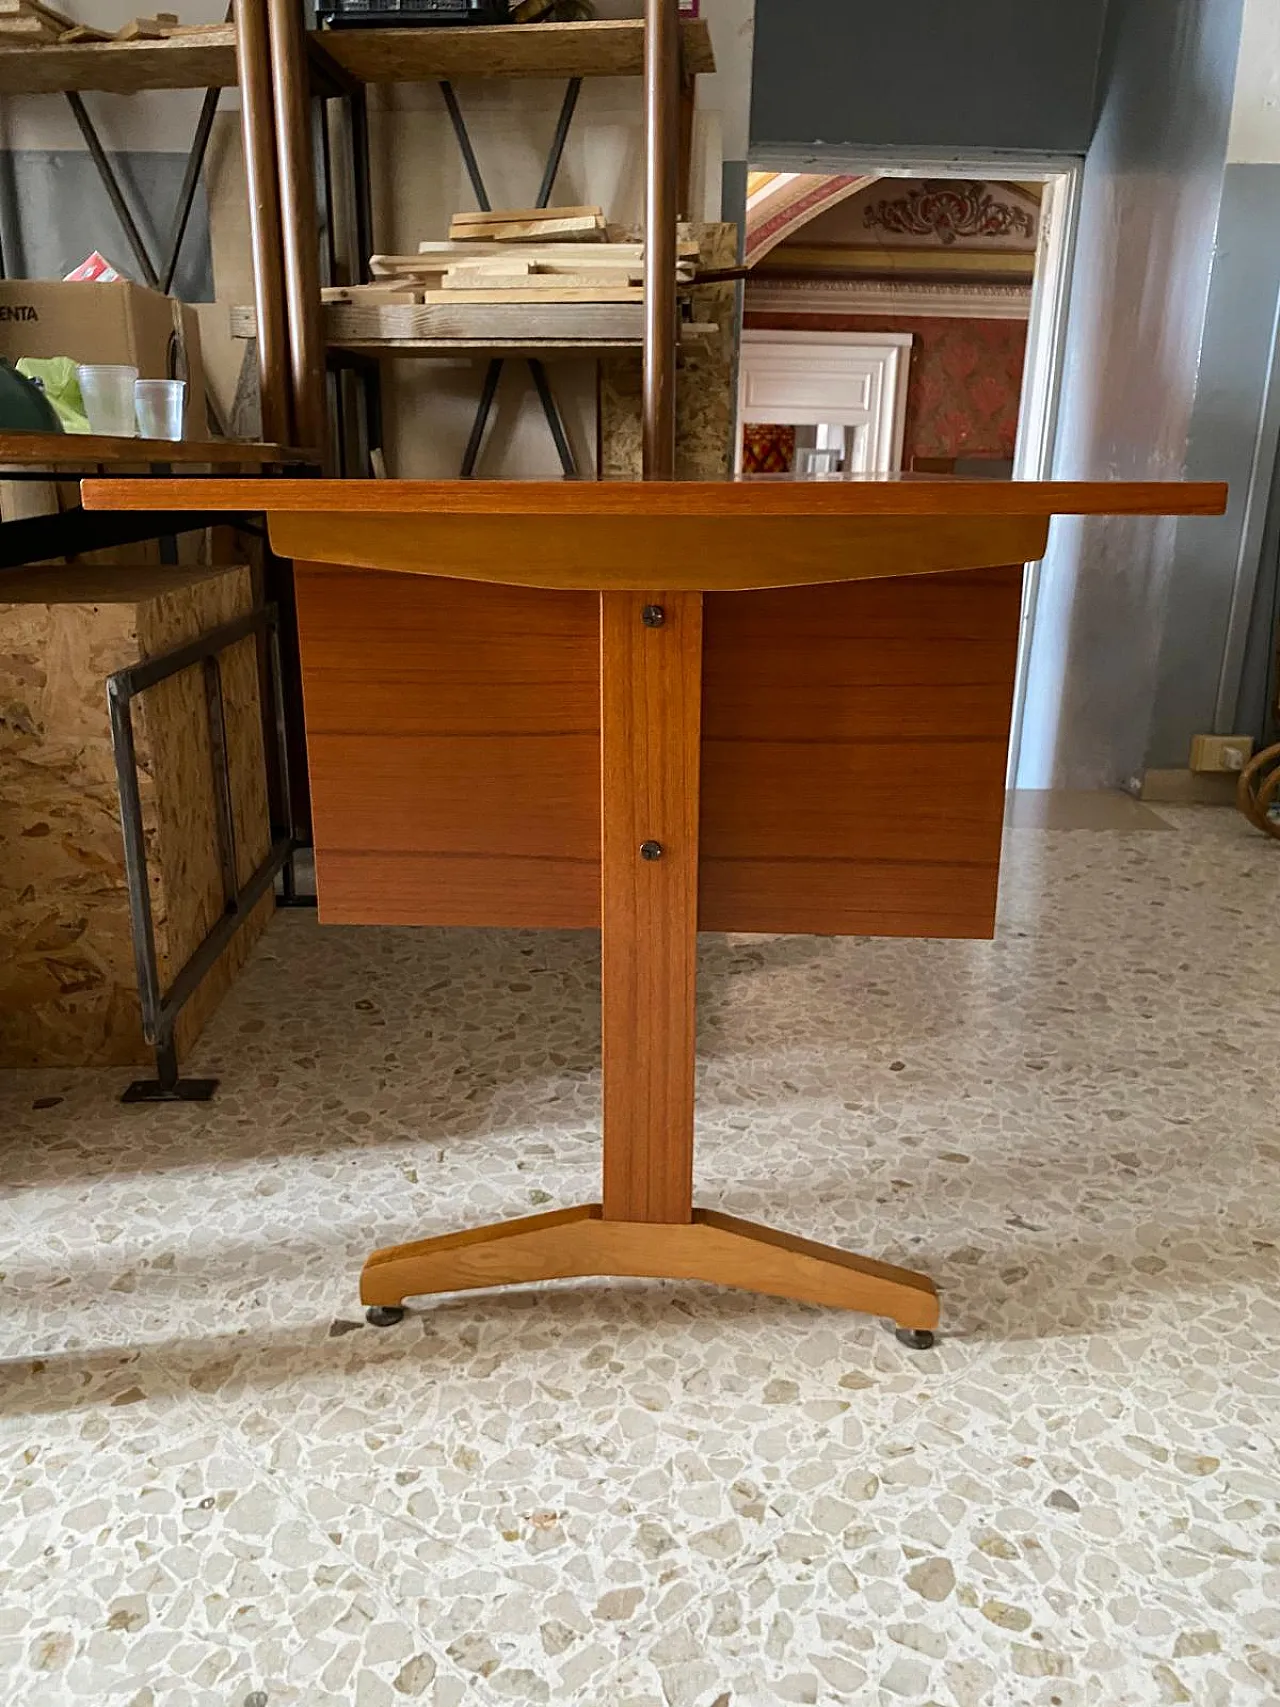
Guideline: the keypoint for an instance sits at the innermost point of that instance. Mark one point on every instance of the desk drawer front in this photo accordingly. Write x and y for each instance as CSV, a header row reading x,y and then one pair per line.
x,y
854,741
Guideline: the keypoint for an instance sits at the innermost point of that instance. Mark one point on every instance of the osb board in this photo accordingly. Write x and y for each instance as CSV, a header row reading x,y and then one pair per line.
x,y
704,383
67,985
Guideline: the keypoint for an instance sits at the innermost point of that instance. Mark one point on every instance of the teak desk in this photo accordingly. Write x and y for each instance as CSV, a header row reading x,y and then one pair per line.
x,y
656,708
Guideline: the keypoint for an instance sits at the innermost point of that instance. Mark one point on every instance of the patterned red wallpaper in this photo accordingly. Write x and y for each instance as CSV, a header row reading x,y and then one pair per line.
x,y
966,378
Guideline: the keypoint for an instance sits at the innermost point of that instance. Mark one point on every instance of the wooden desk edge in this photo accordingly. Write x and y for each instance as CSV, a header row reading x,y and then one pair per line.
x,y
74,451
742,499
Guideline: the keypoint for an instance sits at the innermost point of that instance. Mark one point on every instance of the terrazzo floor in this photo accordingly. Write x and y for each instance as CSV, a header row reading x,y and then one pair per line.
x,y
219,1489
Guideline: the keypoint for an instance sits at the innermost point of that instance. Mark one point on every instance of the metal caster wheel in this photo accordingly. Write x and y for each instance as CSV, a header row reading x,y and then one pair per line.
x,y
917,1339
384,1315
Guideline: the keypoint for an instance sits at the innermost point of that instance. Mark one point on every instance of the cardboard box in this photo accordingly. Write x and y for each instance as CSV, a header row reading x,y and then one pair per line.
x,y
117,322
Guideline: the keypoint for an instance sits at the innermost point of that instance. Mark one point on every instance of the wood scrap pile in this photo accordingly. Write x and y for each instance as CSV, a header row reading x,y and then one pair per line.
x,y
30,23
525,255
535,275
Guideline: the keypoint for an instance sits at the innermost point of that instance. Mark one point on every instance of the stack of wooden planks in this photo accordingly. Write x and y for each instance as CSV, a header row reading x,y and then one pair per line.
x,y
30,23
497,283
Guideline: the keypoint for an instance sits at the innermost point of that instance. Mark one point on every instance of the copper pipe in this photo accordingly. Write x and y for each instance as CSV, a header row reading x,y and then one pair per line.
x,y
662,177
290,69
257,124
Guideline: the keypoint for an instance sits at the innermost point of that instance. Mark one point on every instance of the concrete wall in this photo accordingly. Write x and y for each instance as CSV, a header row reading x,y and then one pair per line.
x,y
1114,593
1218,655
930,74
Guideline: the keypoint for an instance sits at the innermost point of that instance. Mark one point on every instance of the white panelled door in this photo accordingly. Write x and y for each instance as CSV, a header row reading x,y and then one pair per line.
x,y
847,385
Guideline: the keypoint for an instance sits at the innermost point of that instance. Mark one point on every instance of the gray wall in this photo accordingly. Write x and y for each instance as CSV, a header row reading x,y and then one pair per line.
x,y
54,212
1200,683
941,74
1112,592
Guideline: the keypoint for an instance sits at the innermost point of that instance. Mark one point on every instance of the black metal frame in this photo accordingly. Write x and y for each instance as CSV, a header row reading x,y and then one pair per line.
x,y
160,1008
537,370
158,277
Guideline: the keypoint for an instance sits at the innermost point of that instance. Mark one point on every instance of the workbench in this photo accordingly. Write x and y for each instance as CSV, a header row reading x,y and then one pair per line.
x,y
757,706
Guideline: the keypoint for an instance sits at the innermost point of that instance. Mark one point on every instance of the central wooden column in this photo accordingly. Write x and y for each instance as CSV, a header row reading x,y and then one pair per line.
x,y
651,733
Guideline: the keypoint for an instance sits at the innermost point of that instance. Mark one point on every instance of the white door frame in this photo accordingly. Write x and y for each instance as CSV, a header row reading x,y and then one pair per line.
x,y
1062,177
852,379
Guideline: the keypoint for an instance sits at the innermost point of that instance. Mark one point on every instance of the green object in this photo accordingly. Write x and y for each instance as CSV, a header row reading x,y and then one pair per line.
x,y
24,408
61,385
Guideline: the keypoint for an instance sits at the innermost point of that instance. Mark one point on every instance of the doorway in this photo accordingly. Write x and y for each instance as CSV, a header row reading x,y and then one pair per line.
x,y
968,261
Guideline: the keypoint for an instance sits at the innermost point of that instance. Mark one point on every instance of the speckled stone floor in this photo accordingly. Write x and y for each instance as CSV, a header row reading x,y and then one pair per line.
x,y
219,1489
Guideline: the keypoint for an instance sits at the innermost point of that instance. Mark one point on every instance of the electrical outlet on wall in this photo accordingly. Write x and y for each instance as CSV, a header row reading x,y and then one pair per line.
x,y
1221,752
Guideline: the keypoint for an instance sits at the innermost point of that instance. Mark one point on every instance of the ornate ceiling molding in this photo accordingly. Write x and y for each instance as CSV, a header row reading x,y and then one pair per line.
x,y
780,203
878,296
950,210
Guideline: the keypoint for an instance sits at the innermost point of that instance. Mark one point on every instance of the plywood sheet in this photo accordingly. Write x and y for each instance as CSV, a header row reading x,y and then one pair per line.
x,y
67,987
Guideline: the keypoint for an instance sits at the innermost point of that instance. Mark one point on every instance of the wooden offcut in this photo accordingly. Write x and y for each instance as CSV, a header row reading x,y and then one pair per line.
x,y
148,29
68,991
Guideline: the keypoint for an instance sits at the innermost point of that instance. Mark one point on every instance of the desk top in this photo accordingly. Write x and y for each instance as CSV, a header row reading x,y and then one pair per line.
x,y
852,496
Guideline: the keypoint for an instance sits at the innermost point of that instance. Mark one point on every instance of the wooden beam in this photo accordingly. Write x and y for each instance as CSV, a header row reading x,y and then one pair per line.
x,y
650,743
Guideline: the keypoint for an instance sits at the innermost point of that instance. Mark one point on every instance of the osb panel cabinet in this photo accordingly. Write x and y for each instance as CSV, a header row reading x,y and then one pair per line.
x,y
68,991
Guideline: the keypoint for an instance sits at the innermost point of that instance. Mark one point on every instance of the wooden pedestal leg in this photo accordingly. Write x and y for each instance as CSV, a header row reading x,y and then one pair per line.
x,y
651,703
650,748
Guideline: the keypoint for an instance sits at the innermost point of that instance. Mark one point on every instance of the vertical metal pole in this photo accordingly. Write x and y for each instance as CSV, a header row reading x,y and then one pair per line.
x,y
220,762
125,753
662,163
290,72
280,718
257,120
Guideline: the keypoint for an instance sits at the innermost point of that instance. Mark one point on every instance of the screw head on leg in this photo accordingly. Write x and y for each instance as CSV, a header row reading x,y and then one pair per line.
x,y
916,1339
384,1315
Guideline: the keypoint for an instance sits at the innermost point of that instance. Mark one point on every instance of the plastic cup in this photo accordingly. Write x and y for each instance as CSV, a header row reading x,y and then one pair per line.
x,y
108,399
159,404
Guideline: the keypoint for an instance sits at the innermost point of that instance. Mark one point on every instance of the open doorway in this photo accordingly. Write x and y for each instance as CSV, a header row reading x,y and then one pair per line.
x,y
963,265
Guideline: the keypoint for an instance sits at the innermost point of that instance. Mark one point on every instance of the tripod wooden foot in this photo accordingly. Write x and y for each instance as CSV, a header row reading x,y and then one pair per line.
x,y
577,1243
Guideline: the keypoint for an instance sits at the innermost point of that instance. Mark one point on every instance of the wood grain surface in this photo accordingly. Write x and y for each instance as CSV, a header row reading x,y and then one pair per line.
x,y
717,1249
80,450
854,747
754,496
453,733
690,554
606,48
651,697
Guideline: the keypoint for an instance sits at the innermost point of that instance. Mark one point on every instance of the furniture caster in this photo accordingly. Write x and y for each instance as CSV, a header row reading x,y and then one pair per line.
x,y
384,1315
918,1339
